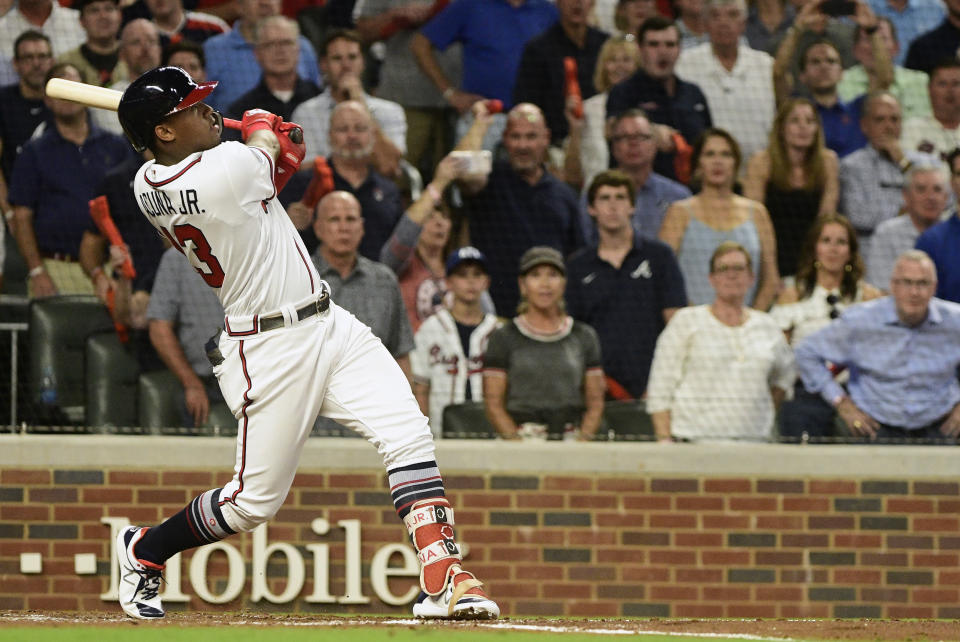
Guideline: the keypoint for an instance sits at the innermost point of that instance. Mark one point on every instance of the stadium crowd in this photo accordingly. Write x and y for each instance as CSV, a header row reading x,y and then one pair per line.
x,y
742,215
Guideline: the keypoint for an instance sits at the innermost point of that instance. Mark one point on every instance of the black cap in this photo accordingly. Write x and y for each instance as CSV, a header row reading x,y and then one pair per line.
x,y
153,96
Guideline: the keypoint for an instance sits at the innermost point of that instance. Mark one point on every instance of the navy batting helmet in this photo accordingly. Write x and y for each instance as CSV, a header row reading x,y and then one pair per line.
x,y
155,95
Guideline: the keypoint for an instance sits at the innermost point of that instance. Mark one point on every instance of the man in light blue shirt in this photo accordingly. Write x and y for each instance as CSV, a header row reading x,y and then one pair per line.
x,y
232,62
902,353
634,146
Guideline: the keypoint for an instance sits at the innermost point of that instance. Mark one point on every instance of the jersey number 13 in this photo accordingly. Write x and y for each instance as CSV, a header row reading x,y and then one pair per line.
x,y
187,233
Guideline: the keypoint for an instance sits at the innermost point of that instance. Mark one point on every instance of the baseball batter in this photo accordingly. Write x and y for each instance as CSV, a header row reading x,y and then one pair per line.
x,y
286,353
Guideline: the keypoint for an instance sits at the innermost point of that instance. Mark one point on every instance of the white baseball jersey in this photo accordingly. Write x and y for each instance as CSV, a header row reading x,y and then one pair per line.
x,y
438,360
219,208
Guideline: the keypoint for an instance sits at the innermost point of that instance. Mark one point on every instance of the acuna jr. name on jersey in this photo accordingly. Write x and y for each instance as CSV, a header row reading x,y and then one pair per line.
x,y
159,203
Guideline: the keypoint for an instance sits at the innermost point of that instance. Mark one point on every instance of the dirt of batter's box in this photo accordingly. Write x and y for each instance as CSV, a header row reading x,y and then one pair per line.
x,y
885,630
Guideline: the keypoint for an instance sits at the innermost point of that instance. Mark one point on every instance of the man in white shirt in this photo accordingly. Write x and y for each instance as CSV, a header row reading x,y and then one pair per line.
x,y
737,80
341,61
62,25
940,133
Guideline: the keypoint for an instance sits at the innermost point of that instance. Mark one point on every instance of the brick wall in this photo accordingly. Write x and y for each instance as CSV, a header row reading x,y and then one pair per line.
x,y
548,544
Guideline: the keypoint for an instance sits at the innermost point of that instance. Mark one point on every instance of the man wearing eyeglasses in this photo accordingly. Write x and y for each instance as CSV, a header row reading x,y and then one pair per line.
x,y
634,148
280,89
902,354
942,240
926,194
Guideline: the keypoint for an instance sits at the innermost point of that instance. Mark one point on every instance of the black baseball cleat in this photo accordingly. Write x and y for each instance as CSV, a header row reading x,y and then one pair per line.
x,y
139,589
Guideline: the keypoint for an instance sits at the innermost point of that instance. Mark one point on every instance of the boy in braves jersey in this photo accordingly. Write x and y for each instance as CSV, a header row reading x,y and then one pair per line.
x,y
447,363
287,353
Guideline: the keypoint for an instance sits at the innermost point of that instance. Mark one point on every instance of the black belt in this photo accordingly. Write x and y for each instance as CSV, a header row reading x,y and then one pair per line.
x,y
58,256
274,321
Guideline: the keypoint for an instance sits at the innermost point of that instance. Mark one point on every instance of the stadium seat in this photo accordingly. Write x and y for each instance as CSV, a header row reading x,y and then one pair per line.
x,y
159,400
59,328
112,375
628,420
467,420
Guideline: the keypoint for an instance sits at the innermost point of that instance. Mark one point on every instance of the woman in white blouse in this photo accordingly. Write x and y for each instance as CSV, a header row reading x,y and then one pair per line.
x,y
829,279
720,370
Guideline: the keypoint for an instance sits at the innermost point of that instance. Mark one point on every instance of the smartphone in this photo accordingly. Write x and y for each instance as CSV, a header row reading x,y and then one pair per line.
x,y
837,8
475,162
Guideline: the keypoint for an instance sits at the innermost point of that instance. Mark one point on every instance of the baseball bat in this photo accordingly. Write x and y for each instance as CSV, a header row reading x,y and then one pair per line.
x,y
100,213
106,98
572,85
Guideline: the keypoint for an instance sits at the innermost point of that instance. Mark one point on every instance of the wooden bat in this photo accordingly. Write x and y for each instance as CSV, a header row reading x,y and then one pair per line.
x,y
102,97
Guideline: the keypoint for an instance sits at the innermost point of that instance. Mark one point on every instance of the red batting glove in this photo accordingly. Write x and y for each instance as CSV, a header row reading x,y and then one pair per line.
x,y
256,119
291,154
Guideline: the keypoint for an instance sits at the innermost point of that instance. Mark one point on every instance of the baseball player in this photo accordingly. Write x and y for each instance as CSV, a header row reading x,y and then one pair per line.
x,y
287,352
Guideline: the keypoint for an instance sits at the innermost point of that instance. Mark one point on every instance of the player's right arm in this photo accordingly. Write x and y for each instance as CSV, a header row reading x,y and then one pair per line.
x,y
266,140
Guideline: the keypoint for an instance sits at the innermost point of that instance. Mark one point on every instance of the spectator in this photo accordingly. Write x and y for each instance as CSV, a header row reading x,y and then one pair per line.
x,y
521,401
139,52
448,360
351,148
540,76
188,56
926,193
691,22
363,287
183,315
941,241
720,370
768,22
829,280
22,107
795,178
820,73
280,90
907,86
737,80
629,15
634,150
694,227
939,43
808,24
493,35
98,58
938,133
342,64
419,244
177,25
60,24
871,179
53,179
145,248
520,203
619,58
672,104
909,19
626,287
394,22
231,59
902,354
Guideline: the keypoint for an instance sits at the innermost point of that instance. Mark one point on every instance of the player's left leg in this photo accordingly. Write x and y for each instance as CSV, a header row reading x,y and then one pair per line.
x,y
273,384
368,392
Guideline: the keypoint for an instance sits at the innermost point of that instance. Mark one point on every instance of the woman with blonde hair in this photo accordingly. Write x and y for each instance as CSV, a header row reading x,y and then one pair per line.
x,y
795,177
829,279
587,151
695,226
